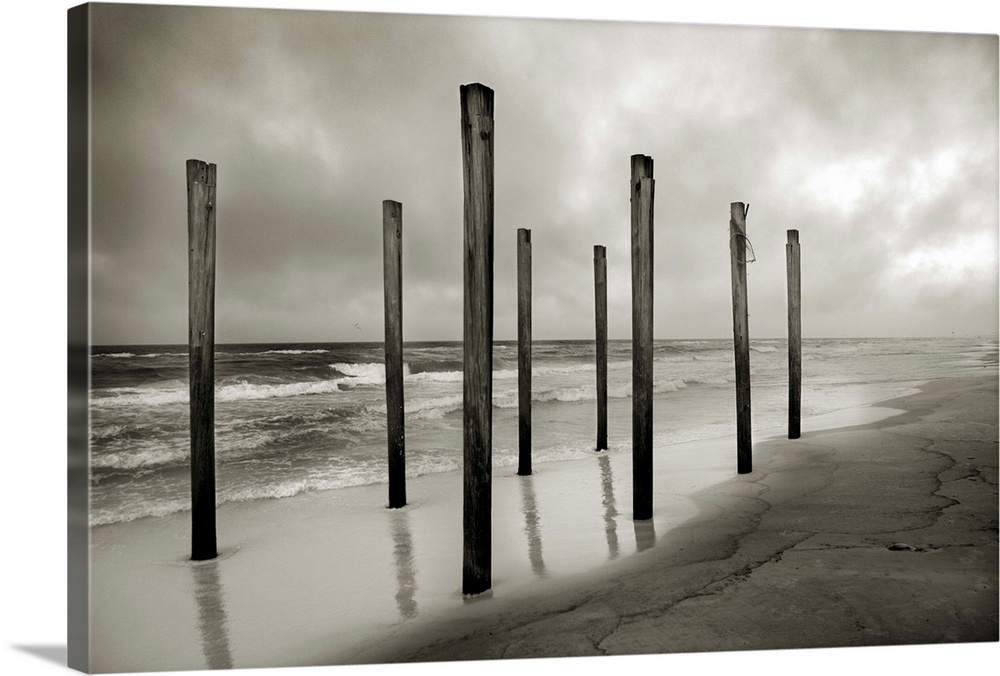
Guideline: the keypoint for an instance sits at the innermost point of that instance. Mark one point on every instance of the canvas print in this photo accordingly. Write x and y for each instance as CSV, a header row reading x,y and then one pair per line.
x,y
414,338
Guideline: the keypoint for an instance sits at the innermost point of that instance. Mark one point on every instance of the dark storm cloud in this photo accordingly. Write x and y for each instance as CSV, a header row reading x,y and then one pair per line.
x,y
880,148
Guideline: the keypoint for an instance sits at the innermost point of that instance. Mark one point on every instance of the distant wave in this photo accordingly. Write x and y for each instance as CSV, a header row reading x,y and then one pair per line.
x,y
246,391
373,373
436,376
138,459
241,391
138,396
132,355
425,409
569,369
509,398
434,408
720,380
669,385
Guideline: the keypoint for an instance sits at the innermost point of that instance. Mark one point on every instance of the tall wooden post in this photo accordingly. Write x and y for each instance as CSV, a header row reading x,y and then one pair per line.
x,y
794,335
477,173
524,351
601,338
201,355
741,335
392,268
642,337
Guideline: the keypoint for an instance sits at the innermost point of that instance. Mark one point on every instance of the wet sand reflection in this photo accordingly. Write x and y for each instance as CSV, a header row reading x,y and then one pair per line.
x,y
212,621
610,510
406,578
531,523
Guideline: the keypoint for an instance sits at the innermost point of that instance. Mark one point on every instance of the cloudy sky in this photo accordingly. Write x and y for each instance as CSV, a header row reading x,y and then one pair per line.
x,y
879,147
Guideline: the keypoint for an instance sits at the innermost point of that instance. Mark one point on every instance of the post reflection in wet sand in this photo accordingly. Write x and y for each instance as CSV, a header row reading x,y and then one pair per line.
x,y
531,522
610,510
212,622
406,578
645,535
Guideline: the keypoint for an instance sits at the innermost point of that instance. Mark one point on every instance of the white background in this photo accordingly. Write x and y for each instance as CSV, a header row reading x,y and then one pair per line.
x,y
33,366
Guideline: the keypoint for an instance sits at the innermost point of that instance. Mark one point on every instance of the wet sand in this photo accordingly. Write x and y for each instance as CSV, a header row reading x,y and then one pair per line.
x,y
882,533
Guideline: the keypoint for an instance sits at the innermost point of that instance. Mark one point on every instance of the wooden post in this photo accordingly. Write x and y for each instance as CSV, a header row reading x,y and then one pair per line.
x,y
601,338
524,351
741,335
642,337
794,335
477,447
201,355
392,259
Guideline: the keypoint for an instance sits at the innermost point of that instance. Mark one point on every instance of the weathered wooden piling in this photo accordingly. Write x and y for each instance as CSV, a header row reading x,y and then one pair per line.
x,y
741,335
601,338
201,188
392,269
477,174
642,337
794,335
524,351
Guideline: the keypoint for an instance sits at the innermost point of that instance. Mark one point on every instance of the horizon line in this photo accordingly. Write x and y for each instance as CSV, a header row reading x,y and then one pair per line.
x,y
547,340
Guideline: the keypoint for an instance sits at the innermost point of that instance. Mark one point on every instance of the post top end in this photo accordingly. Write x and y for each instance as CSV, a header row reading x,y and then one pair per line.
x,y
642,166
200,171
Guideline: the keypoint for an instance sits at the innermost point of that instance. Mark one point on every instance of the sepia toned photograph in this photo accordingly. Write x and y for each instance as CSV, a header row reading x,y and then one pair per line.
x,y
420,338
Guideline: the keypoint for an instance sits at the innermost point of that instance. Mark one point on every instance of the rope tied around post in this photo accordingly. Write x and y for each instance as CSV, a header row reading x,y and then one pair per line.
x,y
753,256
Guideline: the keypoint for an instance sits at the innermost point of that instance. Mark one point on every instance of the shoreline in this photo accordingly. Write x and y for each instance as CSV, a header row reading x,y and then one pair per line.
x,y
282,594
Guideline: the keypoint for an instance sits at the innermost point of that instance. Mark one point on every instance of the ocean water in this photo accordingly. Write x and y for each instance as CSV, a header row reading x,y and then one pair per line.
x,y
310,417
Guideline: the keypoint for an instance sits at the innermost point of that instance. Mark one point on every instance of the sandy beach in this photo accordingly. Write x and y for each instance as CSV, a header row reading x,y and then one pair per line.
x,y
877,527
876,533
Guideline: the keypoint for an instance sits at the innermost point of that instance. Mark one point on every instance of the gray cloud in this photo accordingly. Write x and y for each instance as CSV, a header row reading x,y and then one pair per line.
x,y
879,147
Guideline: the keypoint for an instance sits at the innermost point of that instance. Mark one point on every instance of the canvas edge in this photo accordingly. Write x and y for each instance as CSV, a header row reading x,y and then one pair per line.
x,y
78,335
